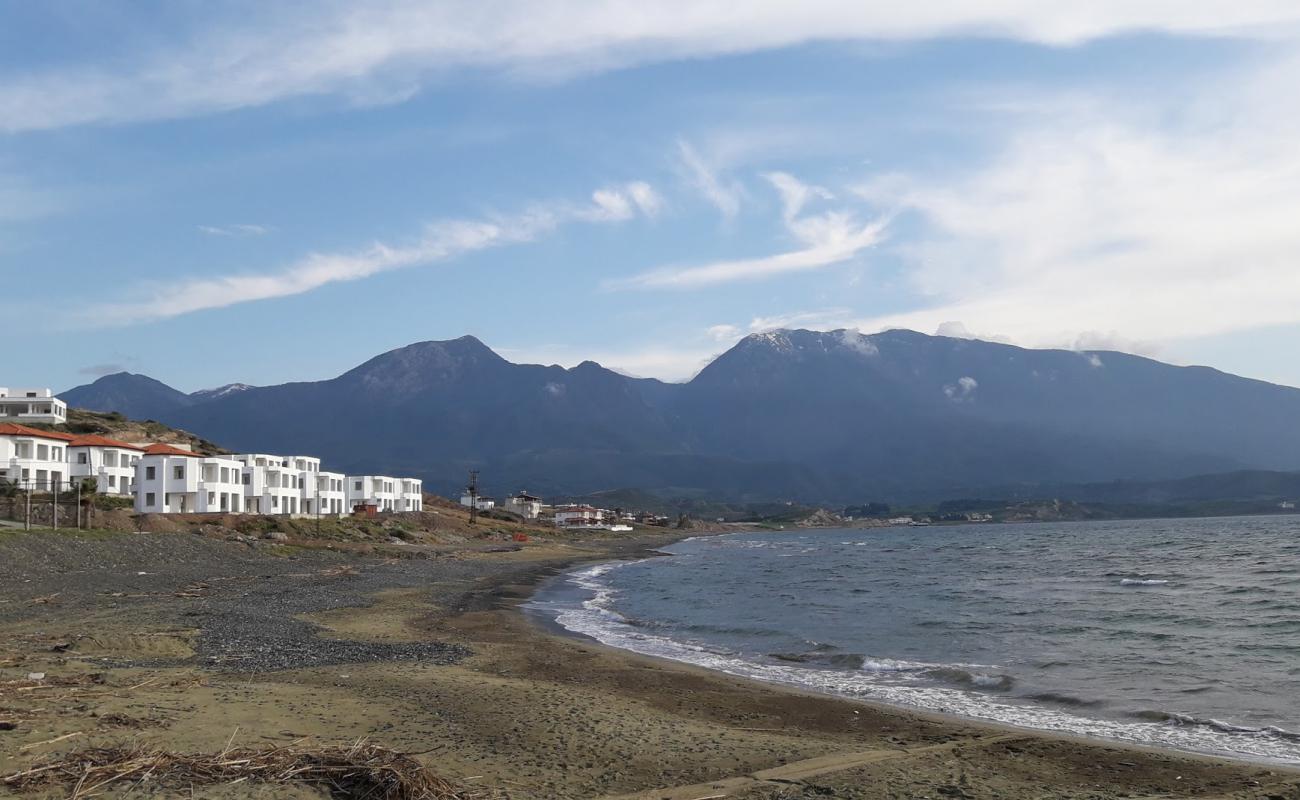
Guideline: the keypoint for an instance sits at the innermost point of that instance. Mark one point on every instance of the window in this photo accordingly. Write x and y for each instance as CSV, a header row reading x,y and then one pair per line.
x,y
150,499
149,474
112,481
275,501
178,472
247,479
212,498
357,486
83,458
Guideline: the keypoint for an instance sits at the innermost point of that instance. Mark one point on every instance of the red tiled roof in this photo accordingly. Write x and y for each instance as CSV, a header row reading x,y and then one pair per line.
x,y
168,450
14,429
94,440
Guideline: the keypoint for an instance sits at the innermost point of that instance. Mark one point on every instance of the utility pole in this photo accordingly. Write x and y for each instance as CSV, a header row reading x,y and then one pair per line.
x,y
28,517
55,504
472,489
78,505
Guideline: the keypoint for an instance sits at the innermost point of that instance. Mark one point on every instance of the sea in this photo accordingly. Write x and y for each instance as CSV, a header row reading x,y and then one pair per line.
x,y
1179,633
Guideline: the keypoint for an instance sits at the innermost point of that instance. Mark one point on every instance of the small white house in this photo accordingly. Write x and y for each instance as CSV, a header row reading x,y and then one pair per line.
x,y
110,462
170,480
410,495
578,517
379,491
31,405
525,505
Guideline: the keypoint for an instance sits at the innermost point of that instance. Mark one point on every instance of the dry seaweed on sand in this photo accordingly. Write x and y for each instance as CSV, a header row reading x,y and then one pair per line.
x,y
360,770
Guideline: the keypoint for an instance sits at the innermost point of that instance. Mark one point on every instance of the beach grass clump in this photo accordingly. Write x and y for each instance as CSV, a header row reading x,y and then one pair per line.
x,y
359,770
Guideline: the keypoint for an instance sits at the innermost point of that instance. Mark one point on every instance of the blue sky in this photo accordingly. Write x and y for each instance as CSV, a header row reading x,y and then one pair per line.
x,y
221,192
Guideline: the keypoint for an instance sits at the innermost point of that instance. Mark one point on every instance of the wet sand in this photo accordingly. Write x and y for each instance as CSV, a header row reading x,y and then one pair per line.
x,y
431,655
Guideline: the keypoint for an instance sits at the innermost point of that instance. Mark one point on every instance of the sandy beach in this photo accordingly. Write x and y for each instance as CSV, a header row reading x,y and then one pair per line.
x,y
196,644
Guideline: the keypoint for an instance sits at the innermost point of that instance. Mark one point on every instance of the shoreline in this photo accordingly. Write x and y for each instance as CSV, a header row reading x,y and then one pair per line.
x,y
507,706
545,623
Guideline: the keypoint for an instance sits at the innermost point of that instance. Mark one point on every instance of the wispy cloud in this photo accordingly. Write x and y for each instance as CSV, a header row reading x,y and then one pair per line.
x,y
234,230
828,238
724,195
440,241
100,370
819,319
386,51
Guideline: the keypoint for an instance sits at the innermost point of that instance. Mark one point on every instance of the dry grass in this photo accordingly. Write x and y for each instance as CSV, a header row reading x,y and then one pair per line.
x,y
361,770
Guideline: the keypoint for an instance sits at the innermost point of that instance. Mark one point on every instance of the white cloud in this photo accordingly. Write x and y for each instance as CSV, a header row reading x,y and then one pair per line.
x,y
724,333
1101,218
441,240
859,343
724,195
386,51
828,238
234,230
815,320
962,391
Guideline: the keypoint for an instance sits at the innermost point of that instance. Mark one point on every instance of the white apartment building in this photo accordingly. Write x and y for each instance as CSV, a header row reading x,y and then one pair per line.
x,y
272,485
31,405
379,491
410,495
110,462
325,493
33,458
525,505
170,480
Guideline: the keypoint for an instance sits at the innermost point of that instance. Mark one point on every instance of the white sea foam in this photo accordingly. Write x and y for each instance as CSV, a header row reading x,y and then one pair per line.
x,y
894,683
1143,582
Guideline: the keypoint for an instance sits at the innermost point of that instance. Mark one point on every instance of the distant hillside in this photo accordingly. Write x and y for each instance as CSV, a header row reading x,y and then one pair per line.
x,y
116,426
812,417
1245,486
134,396
141,397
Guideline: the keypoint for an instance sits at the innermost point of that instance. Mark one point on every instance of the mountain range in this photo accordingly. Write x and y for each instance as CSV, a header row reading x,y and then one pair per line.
x,y
835,417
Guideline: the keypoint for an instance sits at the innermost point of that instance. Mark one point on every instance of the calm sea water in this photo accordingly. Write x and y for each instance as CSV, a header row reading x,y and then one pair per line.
x,y
1175,633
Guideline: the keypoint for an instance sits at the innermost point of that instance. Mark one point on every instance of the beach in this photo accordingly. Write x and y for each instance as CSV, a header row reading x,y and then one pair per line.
x,y
196,644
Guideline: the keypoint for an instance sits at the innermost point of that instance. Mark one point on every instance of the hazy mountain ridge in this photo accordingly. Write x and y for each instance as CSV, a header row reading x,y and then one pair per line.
x,y
819,416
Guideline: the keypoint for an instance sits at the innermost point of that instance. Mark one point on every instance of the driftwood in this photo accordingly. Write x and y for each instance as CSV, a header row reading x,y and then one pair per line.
x,y
360,770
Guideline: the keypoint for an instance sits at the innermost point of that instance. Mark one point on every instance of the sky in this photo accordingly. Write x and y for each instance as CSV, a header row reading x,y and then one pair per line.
x,y
224,192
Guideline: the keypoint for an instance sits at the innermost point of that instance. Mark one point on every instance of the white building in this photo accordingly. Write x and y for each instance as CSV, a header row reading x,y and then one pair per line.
x,y
33,458
481,503
578,517
271,484
379,491
110,462
410,495
31,405
170,480
325,493
525,505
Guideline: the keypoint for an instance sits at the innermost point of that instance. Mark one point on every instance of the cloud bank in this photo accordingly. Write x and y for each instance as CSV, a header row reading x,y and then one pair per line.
x,y
243,56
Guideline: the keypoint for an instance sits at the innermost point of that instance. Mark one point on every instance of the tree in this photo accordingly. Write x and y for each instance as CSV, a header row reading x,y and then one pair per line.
x,y
11,491
89,491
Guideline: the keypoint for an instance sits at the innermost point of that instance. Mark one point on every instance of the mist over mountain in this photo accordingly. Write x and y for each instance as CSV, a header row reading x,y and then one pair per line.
x,y
815,416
